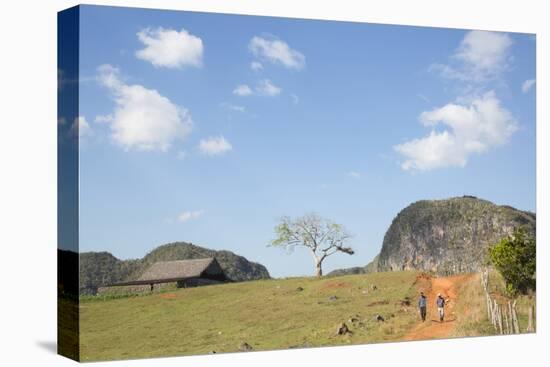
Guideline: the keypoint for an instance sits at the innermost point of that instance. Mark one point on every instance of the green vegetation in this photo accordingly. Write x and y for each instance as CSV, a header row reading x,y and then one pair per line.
x,y
371,267
450,236
321,236
101,268
515,258
266,314
453,234
276,314
498,288
471,309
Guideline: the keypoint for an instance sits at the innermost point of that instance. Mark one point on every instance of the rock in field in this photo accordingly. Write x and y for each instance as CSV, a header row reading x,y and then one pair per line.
x,y
245,347
342,329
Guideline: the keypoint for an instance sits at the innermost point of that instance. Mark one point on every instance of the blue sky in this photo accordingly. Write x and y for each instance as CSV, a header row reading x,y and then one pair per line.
x,y
207,128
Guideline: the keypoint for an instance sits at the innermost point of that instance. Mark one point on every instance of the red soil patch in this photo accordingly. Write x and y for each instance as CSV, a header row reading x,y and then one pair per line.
x,y
423,282
168,296
334,285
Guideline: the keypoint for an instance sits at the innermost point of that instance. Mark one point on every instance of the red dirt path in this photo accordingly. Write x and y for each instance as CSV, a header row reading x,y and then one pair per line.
x,y
432,328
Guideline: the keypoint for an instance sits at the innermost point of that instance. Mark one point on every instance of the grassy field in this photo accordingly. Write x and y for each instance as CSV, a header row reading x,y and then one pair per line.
x,y
281,313
269,314
471,311
472,308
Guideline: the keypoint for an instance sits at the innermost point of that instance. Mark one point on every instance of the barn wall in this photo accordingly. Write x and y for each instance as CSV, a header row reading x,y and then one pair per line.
x,y
196,282
135,289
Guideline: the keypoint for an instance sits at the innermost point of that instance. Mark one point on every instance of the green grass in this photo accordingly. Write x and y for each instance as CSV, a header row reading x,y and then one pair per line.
x,y
124,292
267,314
471,309
497,286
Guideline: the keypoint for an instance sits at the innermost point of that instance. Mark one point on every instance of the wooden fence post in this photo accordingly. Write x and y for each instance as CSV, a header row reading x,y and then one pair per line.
x,y
506,322
495,314
489,310
515,318
500,326
511,317
530,327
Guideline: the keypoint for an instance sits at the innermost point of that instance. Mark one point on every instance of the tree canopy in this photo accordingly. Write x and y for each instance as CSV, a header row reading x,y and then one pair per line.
x,y
515,258
321,236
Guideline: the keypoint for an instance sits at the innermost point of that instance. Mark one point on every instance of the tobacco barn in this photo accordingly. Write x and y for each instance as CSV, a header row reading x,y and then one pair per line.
x,y
181,273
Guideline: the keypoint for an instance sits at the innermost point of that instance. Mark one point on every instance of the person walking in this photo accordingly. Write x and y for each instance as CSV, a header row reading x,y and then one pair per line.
x,y
440,301
422,306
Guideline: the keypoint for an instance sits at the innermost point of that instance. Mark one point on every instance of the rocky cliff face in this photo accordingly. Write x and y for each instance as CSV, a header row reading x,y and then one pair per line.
x,y
448,236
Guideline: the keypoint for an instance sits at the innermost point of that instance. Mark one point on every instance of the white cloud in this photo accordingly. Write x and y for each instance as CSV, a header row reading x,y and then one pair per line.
x,y
214,146
143,118
527,85
170,48
256,66
484,50
103,119
263,88
242,90
189,215
295,98
472,128
354,174
80,128
267,88
277,52
233,107
482,55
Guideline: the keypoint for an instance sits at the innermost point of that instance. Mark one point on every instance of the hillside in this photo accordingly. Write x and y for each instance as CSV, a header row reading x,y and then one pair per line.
x,y
265,314
371,267
284,313
448,236
445,236
102,268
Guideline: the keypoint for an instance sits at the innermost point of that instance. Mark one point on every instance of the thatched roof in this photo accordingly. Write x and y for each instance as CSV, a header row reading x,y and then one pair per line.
x,y
181,269
173,271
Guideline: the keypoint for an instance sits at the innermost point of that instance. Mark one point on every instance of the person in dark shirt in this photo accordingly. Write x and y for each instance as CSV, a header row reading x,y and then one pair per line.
x,y
422,306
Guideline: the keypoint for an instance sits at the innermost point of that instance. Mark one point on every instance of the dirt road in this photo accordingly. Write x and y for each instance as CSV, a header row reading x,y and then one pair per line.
x,y
447,286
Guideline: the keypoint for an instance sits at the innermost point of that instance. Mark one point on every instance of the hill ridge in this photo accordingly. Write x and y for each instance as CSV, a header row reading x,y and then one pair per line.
x,y
446,236
100,268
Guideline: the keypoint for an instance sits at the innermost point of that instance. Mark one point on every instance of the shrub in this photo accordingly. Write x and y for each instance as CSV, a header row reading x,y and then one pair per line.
x,y
515,258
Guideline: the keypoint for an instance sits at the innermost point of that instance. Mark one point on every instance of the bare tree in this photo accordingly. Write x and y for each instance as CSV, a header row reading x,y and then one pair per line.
x,y
321,236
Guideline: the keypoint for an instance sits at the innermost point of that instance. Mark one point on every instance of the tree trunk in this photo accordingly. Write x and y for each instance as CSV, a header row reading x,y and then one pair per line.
x,y
318,268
